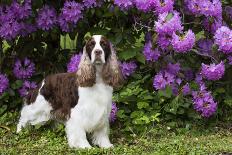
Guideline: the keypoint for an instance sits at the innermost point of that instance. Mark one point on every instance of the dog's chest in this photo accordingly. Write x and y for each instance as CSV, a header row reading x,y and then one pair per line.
x,y
94,106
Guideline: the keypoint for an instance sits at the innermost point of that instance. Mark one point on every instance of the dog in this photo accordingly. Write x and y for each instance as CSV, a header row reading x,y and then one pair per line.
x,y
82,100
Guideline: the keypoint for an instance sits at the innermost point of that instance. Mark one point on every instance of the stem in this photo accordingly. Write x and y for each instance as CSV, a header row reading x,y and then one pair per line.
x,y
205,55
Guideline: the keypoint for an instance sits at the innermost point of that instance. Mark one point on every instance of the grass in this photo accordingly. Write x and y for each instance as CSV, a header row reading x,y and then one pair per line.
x,y
51,140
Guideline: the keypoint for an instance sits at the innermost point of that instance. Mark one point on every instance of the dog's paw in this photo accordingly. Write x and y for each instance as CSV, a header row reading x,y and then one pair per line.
x,y
19,128
81,146
106,145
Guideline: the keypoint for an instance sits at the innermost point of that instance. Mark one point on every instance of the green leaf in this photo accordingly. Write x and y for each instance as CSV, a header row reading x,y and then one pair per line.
x,y
128,54
140,57
200,35
166,92
142,105
169,16
17,84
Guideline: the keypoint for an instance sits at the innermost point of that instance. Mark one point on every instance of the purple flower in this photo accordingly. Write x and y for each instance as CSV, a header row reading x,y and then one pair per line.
x,y
27,29
182,44
149,53
74,63
189,75
168,23
128,68
89,3
164,41
71,13
46,18
223,38
4,83
204,7
113,112
10,29
163,79
229,59
27,85
228,10
203,103
173,68
11,19
212,71
23,69
144,5
186,90
212,24
20,11
205,46
123,4
164,6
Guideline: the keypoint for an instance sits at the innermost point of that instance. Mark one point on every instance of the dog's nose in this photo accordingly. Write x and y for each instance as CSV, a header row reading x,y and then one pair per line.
x,y
98,52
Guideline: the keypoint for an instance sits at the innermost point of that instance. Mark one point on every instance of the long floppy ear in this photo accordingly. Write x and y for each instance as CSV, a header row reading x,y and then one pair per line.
x,y
111,72
86,73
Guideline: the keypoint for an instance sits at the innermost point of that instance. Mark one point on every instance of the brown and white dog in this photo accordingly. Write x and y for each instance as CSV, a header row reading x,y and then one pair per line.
x,y
82,99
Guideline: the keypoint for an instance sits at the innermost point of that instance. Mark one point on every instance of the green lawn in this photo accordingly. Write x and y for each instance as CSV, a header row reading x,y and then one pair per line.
x,y
50,139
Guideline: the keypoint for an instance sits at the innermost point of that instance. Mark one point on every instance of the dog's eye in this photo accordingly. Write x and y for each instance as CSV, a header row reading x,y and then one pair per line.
x,y
91,44
103,43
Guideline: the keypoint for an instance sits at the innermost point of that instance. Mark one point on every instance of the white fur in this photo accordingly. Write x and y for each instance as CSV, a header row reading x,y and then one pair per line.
x,y
90,115
97,39
35,113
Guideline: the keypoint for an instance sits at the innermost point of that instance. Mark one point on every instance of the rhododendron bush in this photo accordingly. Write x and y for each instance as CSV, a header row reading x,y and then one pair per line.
x,y
176,56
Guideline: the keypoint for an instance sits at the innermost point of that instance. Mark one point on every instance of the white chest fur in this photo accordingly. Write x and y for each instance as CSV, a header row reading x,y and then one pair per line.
x,y
93,107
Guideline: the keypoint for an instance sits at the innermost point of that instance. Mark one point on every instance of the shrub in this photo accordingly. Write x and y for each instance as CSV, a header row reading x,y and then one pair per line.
x,y
175,55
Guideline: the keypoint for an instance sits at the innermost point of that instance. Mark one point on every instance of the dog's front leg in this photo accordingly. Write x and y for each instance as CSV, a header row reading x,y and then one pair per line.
x,y
101,136
76,136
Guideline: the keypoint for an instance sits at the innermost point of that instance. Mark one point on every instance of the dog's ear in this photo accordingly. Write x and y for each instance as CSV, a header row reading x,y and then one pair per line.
x,y
86,73
111,72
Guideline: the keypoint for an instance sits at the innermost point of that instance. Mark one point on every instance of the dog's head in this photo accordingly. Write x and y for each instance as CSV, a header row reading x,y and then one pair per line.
x,y
99,56
98,48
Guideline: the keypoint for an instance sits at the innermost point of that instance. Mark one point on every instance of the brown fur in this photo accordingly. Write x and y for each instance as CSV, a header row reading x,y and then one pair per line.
x,y
111,72
32,95
61,91
86,72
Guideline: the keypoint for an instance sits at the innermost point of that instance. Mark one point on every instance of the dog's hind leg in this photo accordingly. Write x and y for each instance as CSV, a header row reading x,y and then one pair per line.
x,y
35,113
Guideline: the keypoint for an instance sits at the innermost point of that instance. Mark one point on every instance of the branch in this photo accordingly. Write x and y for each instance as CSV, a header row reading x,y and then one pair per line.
x,y
205,55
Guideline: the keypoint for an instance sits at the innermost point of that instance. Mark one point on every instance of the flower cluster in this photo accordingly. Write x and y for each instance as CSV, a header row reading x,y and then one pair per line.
x,y
46,18
74,63
144,5
71,13
204,103
162,80
149,53
12,20
113,112
24,69
27,85
124,4
205,46
167,77
184,43
168,23
4,83
89,3
204,7
213,71
128,68
211,24
223,38
162,6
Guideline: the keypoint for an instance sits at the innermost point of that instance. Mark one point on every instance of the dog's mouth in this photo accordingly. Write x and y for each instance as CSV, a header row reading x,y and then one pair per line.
x,y
98,61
